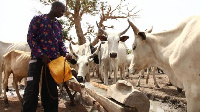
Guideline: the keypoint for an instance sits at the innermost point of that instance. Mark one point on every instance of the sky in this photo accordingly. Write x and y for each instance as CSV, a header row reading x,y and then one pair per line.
x,y
161,14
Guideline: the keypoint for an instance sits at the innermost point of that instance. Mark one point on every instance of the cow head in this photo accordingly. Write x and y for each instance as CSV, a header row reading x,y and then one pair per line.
x,y
113,39
141,50
83,62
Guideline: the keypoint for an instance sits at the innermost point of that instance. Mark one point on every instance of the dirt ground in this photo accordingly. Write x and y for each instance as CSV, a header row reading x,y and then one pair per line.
x,y
164,94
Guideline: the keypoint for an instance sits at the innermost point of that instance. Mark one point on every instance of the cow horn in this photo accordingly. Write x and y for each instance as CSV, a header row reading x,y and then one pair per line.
x,y
150,30
71,50
135,29
102,31
96,52
125,30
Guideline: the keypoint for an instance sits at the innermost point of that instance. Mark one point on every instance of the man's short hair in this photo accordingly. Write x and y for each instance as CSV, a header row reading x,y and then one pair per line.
x,y
57,3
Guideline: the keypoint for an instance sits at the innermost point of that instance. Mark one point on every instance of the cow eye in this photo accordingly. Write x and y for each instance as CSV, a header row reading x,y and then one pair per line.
x,y
134,47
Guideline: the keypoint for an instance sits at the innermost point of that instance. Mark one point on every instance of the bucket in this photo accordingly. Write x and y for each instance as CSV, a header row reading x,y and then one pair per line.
x,y
56,68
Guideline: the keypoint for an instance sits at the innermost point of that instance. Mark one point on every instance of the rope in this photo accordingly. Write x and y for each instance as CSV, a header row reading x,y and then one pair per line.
x,y
48,86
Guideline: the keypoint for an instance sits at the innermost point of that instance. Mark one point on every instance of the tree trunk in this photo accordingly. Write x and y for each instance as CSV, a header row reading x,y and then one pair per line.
x,y
96,40
79,31
77,22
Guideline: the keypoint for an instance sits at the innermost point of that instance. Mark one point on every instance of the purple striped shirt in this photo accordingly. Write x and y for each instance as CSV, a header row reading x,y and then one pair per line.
x,y
45,37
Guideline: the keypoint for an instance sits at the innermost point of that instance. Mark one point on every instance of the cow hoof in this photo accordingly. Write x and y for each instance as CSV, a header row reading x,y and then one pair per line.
x,y
101,79
7,89
157,86
22,101
137,85
127,76
72,104
179,89
169,84
6,103
142,76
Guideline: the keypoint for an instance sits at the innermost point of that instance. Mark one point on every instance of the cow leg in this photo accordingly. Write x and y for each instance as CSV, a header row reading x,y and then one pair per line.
x,y
115,75
101,72
127,74
88,77
160,71
192,98
109,75
141,73
97,70
120,72
92,69
0,81
25,81
105,76
69,94
154,77
147,78
17,89
123,72
5,84
138,83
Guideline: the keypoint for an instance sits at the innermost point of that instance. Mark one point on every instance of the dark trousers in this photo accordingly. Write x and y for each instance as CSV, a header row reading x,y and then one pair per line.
x,y
49,92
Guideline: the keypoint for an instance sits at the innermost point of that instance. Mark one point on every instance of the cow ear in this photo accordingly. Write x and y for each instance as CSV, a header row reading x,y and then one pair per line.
x,y
142,34
102,38
124,38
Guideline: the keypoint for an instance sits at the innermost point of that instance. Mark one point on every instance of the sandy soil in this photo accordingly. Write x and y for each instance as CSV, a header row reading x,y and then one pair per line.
x,y
164,94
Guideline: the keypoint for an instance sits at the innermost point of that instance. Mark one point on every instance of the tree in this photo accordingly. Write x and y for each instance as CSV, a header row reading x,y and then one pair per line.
x,y
75,9
108,12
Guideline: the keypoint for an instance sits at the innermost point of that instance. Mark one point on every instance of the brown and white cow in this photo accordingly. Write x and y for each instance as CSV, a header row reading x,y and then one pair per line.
x,y
17,63
177,52
6,47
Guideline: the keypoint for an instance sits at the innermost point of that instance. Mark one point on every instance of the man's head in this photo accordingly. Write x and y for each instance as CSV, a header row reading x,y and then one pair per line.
x,y
57,9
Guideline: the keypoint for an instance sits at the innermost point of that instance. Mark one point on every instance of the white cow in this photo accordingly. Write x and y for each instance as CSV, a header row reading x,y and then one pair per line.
x,y
77,49
84,49
114,53
17,63
177,52
83,62
153,69
6,47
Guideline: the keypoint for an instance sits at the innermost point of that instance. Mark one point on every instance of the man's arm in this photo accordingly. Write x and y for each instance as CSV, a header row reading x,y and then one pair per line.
x,y
32,36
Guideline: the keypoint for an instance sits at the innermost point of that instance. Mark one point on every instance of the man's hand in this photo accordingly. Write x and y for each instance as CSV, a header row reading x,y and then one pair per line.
x,y
68,57
45,59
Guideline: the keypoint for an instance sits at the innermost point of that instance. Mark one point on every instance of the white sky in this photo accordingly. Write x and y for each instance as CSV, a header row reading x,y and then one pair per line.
x,y
161,14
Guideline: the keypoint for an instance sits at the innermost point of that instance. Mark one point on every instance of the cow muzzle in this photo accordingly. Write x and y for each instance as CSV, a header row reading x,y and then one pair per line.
x,y
113,55
79,78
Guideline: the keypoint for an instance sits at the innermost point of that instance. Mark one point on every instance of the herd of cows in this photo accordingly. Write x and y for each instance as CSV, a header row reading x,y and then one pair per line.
x,y
175,51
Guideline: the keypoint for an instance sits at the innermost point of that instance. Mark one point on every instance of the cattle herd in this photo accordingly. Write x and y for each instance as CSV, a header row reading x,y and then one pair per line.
x,y
174,51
